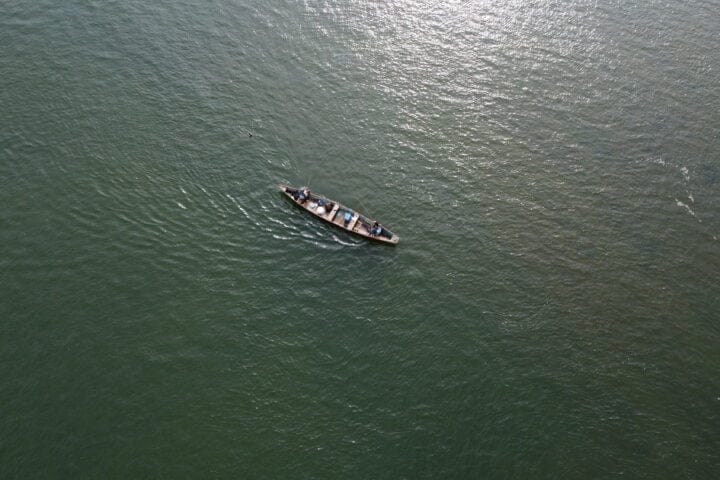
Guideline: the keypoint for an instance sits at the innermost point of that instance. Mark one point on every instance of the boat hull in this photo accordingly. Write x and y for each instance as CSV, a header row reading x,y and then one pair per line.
x,y
338,215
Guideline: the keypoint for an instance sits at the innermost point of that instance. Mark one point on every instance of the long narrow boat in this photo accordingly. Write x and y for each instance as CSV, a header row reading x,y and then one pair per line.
x,y
338,215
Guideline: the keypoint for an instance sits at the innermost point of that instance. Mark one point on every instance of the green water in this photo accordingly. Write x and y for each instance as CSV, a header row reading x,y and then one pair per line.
x,y
551,310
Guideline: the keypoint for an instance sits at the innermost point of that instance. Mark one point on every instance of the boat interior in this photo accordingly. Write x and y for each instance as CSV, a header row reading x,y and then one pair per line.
x,y
333,212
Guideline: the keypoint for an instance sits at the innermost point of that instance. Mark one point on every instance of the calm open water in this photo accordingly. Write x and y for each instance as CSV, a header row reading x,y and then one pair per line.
x,y
552,310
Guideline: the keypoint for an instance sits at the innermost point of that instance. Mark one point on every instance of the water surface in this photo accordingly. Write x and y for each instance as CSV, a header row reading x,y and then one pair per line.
x,y
551,311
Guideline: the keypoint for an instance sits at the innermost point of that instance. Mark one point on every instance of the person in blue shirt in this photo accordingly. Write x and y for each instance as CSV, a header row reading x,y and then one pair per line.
x,y
375,230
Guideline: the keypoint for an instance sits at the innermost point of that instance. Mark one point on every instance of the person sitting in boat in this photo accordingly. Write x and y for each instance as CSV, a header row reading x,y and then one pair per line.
x,y
301,195
375,230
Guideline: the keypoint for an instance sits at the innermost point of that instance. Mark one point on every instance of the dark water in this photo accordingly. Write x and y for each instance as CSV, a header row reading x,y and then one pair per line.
x,y
551,311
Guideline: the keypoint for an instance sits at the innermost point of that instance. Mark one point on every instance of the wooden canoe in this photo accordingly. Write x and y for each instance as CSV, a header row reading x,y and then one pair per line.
x,y
338,215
